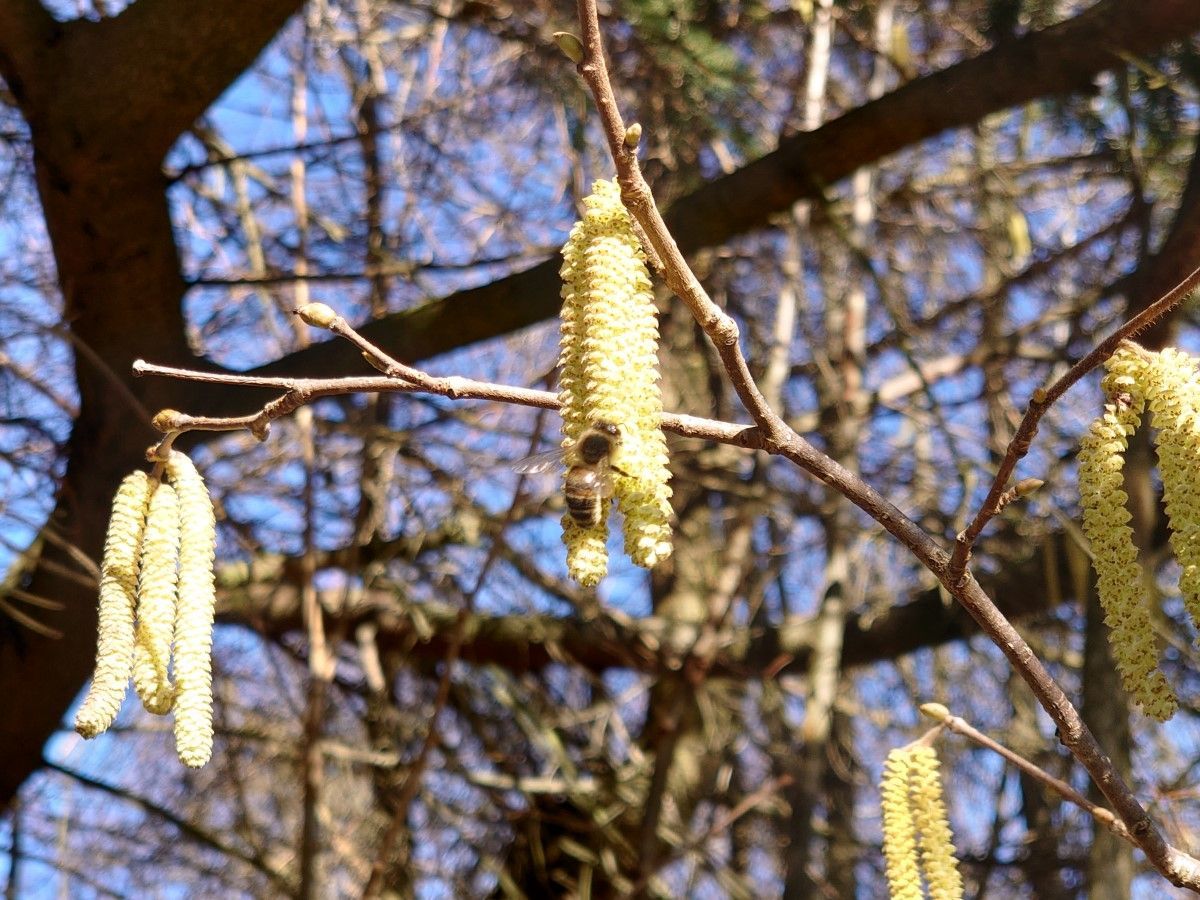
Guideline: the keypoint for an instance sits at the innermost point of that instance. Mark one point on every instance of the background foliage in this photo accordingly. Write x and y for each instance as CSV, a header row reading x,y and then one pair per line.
x,y
411,695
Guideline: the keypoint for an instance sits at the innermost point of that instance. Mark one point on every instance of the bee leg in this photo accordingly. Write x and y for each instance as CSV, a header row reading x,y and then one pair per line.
x,y
619,470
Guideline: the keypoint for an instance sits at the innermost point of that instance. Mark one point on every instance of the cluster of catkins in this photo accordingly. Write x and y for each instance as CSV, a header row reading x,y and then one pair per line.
x,y
914,812
609,373
1169,384
157,596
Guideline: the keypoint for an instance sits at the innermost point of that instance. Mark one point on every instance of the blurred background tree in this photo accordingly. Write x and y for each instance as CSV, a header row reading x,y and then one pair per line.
x,y
917,213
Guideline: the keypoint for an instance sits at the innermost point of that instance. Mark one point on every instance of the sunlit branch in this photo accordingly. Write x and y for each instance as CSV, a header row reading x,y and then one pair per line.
x,y
1043,399
776,437
961,726
299,391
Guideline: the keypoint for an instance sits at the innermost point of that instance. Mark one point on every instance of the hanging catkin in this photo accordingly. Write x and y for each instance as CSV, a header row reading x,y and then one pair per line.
x,y
194,616
118,597
609,374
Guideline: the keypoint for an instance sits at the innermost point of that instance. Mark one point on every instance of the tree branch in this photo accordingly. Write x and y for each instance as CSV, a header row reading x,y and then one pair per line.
x,y
163,62
1061,59
1043,399
776,437
961,726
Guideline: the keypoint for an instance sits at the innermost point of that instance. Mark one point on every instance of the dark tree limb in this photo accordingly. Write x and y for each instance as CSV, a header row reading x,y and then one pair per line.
x,y
131,84
104,101
1059,60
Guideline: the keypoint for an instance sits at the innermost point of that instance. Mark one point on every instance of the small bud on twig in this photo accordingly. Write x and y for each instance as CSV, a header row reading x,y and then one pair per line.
x,y
1022,488
936,711
570,45
318,315
168,420
1027,486
633,134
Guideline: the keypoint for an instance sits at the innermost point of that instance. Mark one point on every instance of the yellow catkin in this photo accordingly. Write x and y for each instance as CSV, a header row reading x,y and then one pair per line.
x,y
156,603
194,614
899,831
118,590
609,363
587,555
1173,397
938,862
1114,555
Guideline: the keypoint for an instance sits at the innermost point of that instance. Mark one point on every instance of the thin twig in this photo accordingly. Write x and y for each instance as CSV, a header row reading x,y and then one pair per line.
x,y
299,391
1043,399
961,726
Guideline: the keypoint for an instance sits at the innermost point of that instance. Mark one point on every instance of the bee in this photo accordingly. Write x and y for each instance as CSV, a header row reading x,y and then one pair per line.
x,y
587,485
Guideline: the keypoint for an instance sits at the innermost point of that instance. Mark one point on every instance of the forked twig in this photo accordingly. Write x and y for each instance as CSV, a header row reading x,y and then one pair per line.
x,y
1043,399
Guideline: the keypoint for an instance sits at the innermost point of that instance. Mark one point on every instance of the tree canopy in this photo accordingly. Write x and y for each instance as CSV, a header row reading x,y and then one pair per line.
x,y
903,221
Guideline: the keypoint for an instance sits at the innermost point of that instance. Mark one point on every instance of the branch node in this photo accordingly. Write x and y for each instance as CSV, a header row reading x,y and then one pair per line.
x,y
722,329
453,386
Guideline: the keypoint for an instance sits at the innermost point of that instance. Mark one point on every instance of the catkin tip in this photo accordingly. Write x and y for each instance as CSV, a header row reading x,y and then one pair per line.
x,y
587,551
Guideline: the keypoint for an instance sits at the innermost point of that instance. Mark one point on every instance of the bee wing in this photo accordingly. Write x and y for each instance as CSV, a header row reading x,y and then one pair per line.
x,y
541,462
607,482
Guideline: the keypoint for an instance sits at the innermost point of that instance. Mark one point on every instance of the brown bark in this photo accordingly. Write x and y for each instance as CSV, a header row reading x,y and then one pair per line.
x,y
104,102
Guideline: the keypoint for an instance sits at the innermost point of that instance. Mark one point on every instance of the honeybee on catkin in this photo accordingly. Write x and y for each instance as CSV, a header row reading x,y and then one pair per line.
x,y
609,394
587,482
